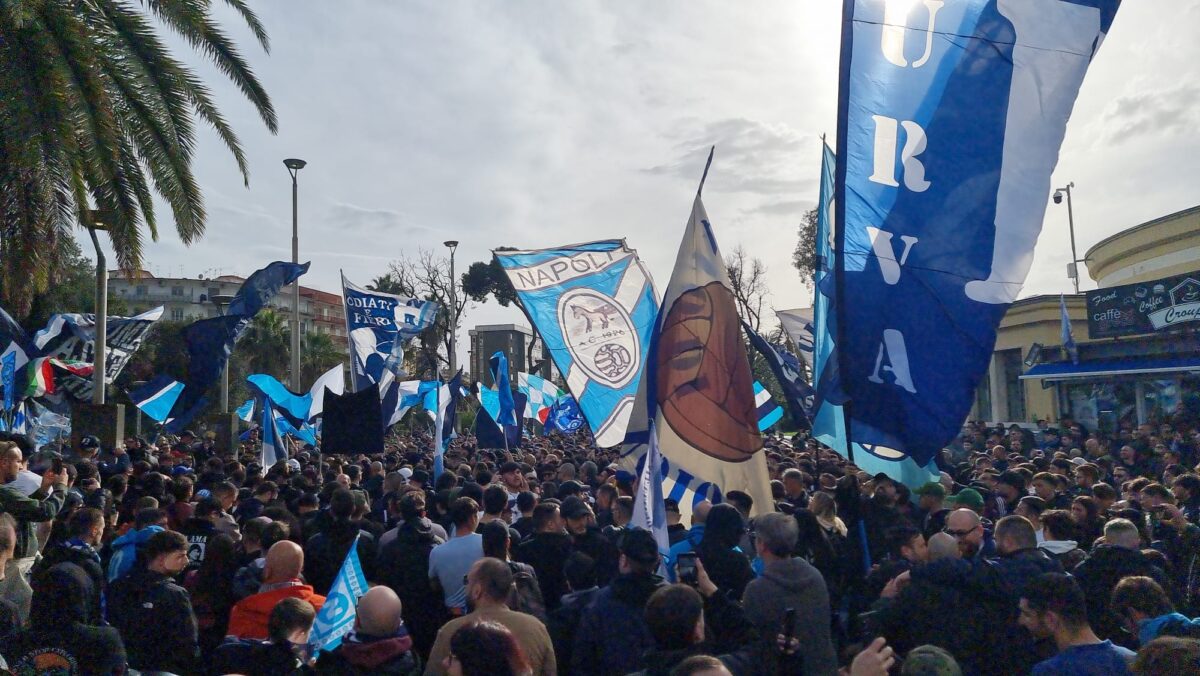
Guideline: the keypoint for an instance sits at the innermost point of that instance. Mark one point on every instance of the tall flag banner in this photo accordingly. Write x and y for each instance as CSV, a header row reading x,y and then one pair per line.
x,y
274,447
1068,336
564,416
157,397
245,412
594,306
828,419
542,395
797,393
800,327
950,120
72,337
498,365
699,390
443,423
649,506
336,618
8,379
288,403
769,412
487,431
379,325
211,341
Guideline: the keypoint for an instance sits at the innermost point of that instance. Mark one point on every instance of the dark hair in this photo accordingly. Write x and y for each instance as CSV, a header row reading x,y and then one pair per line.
x,y
219,566
309,500
266,487
463,511
672,613
163,542
624,505
544,513
206,508
287,616
1103,491
1060,594
495,499
472,490
607,489
580,571
1018,529
1157,491
741,500
1142,594
1167,656
84,520
899,537
1190,482
341,505
1058,523
487,648
697,664
147,517
1034,503
495,539
526,500
412,504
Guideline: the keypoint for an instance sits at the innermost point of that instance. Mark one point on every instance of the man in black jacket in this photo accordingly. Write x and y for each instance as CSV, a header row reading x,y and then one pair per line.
x,y
325,551
153,614
546,550
86,528
1119,557
587,538
403,565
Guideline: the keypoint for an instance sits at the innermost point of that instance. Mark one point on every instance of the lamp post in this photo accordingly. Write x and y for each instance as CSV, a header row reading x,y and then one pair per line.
x,y
294,166
1073,268
222,302
452,245
94,220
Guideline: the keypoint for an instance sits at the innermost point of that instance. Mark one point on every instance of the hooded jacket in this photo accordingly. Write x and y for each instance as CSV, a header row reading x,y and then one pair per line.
x,y
403,565
547,552
599,650
325,552
81,554
794,583
363,654
726,565
1066,552
124,551
154,616
1171,624
1099,575
60,634
248,619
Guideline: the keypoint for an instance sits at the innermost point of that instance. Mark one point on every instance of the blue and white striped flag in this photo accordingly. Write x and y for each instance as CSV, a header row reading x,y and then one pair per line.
x,y
649,507
1068,336
769,412
336,618
157,397
246,411
273,448
800,328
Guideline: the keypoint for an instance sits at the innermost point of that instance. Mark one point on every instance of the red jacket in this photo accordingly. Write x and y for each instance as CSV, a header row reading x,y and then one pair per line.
x,y
248,619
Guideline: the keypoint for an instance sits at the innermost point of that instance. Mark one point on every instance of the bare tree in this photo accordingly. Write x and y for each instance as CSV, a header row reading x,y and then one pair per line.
x,y
748,281
428,277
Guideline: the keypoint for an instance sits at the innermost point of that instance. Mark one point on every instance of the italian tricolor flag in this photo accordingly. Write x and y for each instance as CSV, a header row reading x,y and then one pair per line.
x,y
42,371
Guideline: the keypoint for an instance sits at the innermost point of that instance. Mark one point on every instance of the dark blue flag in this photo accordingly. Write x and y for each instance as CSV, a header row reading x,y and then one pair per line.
x,y
950,120
565,416
487,432
797,393
210,341
499,367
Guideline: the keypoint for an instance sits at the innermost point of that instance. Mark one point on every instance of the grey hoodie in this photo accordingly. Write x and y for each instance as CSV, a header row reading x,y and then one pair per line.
x,y
794,583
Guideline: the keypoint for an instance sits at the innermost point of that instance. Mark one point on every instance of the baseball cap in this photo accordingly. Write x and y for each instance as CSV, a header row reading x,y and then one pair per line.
x,y
406,472
294,464
180,470
930,660
574,508
967,497
89,442
638,545
931,488
420,476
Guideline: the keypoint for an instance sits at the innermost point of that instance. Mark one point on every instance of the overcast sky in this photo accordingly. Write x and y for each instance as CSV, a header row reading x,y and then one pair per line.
x,y
537,123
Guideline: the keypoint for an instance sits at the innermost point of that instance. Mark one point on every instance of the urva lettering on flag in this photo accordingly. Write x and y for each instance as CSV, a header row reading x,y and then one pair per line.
x,y
951,116
828,419
594,306
336,617
379,325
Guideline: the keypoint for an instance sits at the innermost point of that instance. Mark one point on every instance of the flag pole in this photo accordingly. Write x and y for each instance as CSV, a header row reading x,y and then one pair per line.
x,y
707,164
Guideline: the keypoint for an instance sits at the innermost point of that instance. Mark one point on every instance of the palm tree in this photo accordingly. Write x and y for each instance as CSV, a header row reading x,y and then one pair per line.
x,y
318,354
96,113
266,344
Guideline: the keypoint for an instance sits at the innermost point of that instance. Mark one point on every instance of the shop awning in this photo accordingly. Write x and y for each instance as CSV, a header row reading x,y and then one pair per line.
x,y
1100,368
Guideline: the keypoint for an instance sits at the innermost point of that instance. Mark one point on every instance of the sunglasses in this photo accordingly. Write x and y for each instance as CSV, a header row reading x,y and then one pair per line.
x,y
960,533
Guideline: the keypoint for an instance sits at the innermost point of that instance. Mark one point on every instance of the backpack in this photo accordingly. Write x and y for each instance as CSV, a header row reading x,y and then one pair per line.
x,y
525,595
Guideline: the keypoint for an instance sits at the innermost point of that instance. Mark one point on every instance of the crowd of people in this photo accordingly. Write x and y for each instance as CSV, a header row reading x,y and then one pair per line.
x,y
1047,550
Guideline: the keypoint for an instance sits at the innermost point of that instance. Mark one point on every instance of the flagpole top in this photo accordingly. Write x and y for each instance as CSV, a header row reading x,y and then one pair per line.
x,y
707,164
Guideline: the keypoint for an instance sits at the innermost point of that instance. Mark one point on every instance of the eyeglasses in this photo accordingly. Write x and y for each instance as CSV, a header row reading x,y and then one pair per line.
x,y
960,533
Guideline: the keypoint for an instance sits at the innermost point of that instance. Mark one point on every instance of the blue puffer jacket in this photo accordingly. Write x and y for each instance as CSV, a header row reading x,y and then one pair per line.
x,y
124,551
1171,624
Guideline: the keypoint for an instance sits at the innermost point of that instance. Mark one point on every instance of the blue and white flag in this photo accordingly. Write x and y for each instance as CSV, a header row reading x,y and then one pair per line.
x,y
1068,336
564,416
8,378
157,397
828,418
246,411
379,325
649,506
274,446
72,337
800,329
797,393
541,393
594,306
769,412
951,116
443,423
336,618
288,403
210,341
498,365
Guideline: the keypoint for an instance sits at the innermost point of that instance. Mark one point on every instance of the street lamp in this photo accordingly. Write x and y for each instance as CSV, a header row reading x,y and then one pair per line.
x,y
222,302
452,245
294,166
1073,267
93,220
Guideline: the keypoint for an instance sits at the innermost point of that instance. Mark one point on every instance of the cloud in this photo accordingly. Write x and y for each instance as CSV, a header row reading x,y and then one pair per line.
x,y
360,218
751,156
791,208
1149,112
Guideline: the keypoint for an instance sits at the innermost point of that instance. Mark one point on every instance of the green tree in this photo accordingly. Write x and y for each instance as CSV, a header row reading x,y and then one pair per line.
x,y
804,257
487,278
318,354
266,344
72,289
99,114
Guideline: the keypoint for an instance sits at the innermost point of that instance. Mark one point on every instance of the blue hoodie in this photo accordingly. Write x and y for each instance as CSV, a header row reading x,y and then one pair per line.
x,y
124,551
684,546
1171,624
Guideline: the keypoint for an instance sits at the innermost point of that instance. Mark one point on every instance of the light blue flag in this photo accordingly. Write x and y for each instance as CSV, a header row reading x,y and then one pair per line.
x,y
828,421
336,618
157,397
8,379
1068,336
489,399
272,441
499,368
246,411
294,406
649,506
769,412
950,120
594,306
